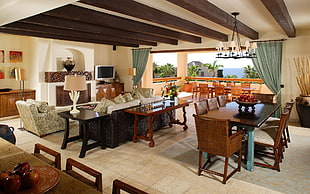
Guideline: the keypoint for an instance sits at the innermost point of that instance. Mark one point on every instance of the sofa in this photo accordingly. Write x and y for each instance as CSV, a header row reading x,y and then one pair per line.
x,y
39,118
118,125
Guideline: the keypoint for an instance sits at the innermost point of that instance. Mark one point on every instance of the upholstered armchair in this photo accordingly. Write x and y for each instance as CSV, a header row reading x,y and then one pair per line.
x,y
39,118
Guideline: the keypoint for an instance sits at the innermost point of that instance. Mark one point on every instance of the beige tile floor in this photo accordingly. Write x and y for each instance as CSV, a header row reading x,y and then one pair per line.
x,y
141,166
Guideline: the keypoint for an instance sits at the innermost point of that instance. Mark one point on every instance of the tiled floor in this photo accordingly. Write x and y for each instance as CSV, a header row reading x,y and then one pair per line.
x,y
142,166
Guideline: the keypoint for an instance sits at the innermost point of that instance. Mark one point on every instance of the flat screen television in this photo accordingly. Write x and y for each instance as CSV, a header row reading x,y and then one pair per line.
x,y
104,72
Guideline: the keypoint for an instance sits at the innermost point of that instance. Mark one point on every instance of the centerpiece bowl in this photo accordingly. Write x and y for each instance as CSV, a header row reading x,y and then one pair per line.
x,y
247,105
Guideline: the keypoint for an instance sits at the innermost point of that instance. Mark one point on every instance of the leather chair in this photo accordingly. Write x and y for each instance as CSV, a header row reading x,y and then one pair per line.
x,y
222,100
57,157
213,138
212,104
120,185
201,107
98,176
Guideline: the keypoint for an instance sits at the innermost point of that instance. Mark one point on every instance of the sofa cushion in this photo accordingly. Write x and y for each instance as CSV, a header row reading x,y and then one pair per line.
x,y
102,107
119,99
128,97
41,106
114,107
145,92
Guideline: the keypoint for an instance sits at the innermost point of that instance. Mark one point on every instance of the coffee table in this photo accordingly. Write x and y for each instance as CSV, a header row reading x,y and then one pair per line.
x,y
85,117
152,111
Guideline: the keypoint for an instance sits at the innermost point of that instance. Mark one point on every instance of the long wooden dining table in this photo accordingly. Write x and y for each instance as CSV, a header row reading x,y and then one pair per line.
x,y
10,155
247,120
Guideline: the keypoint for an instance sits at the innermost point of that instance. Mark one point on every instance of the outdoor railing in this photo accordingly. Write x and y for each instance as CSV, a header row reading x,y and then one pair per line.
x,y
207,79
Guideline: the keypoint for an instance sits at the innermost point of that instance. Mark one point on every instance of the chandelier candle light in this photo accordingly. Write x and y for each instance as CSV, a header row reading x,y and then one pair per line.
x,y
236,51
75,84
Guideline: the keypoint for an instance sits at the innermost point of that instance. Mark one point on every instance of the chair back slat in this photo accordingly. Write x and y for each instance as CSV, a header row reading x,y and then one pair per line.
x,y
282,125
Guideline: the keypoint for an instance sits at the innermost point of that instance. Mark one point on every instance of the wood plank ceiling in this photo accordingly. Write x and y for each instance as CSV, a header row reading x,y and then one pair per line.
x,y
74,22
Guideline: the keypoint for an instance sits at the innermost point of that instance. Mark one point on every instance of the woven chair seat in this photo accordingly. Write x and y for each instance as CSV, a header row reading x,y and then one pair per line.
x,y
266,136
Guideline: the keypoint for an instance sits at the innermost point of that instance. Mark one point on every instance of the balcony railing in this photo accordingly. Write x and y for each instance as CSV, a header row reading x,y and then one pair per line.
x,y
208,79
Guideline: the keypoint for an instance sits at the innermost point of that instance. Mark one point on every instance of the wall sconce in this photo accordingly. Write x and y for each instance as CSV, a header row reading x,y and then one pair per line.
x,y
75,84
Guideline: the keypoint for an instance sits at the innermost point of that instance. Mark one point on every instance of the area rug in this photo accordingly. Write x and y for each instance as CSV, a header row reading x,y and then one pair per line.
x,y
294,176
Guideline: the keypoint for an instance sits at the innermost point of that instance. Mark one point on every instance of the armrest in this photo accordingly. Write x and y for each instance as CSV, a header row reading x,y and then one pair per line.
x,y
233,136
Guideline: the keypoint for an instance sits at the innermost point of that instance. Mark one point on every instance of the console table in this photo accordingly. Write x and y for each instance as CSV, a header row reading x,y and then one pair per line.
x,y
85,117
152,111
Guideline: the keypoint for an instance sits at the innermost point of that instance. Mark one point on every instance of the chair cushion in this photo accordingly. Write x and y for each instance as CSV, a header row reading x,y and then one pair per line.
x,y
42,106
119,99
266,134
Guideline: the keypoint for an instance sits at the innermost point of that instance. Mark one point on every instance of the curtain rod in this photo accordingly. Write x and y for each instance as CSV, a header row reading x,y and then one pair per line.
x,y
269,40
141,48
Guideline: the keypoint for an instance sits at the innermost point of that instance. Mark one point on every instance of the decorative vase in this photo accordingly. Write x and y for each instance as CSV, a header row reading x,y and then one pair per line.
x,y
303,110
69,64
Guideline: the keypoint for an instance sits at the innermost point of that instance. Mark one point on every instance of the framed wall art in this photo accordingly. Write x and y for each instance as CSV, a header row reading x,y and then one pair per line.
x,y
12,72
16,56
1,56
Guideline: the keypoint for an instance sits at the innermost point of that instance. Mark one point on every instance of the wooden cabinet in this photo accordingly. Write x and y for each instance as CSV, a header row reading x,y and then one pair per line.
x,y
8,99
109,91
63,98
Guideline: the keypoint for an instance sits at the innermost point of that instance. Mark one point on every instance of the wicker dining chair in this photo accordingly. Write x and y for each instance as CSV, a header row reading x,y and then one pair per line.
x,y
270,137
265,98
219,90
235,92
201,107
212,104
56,161
213,138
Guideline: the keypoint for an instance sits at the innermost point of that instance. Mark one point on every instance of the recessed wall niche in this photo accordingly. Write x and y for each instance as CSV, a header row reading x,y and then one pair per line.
x,y
75,54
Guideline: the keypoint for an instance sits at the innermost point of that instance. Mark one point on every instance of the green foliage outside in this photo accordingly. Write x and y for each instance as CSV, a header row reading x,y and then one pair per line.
x,y
212,67
193,71
250,72
167,70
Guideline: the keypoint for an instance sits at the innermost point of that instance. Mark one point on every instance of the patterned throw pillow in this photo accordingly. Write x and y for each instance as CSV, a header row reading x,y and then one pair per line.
x,y
102,107
41,106
128,97
119,99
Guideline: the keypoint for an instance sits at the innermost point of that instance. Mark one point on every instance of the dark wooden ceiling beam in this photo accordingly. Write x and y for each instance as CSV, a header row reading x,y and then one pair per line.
x,y
279,11
213,13
135,9
74,33
90,28
80,14
61,37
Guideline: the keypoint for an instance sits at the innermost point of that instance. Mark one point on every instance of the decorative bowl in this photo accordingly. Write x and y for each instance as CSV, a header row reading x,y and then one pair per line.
x,y
246,105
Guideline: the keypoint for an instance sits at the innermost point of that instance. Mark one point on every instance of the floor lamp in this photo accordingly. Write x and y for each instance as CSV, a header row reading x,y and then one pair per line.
x,y
75,84
131,73
20,76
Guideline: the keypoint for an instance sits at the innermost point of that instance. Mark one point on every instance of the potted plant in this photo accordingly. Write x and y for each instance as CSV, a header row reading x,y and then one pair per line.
x,y
303,81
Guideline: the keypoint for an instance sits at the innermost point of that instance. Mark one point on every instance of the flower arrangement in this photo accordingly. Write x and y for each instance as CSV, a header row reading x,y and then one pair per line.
x,y
171,90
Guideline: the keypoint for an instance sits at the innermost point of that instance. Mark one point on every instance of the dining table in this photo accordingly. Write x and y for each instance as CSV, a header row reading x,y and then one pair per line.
x,y
52,180
247,120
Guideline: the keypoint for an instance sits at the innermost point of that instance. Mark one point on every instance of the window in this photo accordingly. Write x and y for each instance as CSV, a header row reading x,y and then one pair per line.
x,y
164,65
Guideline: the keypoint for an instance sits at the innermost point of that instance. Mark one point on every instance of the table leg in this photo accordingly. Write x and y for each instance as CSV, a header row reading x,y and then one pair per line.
x,y
101,133
135,129
177,121
250,157
150,122
85,139
66,134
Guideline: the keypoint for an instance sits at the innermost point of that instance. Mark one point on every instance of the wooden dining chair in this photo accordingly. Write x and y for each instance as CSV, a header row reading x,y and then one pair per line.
x,y
219,90
213,138
195,90
236,92
45,157
212,104
229,84
203,91
201,107
270,137
119,186
222,100
97,184
245,85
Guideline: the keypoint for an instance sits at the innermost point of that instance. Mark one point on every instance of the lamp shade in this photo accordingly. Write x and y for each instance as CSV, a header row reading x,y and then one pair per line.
x,y
131,71
75,82
19,74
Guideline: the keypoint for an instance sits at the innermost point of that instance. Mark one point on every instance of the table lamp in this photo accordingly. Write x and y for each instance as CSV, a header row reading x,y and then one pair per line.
x,y
75,84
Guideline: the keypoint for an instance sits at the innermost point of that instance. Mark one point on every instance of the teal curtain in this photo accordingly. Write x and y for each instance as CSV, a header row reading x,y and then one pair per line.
x,y
269,65
139,61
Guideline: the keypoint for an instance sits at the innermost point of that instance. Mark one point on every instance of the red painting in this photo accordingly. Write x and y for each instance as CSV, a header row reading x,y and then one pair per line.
x,y
16,56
